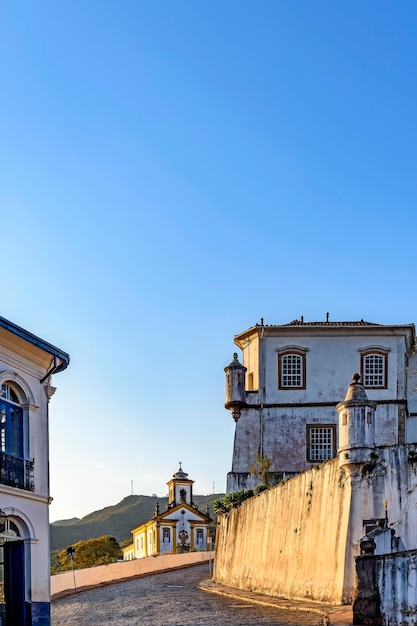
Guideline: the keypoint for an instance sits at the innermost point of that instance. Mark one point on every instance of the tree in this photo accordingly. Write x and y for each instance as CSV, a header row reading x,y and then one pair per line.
x,y
260,469
98,551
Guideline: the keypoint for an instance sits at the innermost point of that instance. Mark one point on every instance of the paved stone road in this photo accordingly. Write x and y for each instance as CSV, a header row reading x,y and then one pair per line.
x,y
173,599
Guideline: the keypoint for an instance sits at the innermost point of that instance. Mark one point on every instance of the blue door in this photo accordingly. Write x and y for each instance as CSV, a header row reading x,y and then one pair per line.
x,y
14,583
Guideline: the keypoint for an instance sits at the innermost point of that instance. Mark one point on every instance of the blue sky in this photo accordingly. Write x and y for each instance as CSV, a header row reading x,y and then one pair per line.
x,y
171,172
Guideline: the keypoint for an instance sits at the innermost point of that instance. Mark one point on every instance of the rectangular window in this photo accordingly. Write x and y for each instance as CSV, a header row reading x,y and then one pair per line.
x,y
321,442
200,536
166,535
291,370
374,369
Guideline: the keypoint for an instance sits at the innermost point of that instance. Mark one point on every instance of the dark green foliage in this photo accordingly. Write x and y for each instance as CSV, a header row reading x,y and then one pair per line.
x,y
259,488
231,500
118,520
219,507
88,553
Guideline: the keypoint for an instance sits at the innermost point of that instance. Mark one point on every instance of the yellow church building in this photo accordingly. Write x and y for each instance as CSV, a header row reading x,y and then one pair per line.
x,y
182,527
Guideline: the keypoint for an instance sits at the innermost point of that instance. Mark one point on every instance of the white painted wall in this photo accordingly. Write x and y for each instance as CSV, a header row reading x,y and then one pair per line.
x,y
116,572
30,510
331,361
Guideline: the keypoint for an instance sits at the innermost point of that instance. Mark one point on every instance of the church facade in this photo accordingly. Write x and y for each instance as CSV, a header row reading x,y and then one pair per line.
x,y
283,389
182,527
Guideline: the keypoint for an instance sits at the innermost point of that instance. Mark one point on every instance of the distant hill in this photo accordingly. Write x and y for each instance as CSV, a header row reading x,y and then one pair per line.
x,y
117,520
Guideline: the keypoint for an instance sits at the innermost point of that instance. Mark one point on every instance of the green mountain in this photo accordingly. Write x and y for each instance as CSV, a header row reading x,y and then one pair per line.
x,y
117,520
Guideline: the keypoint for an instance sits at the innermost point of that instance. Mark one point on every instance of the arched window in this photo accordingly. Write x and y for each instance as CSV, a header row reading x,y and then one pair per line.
x,y
15,470
11,422
374,367
292,368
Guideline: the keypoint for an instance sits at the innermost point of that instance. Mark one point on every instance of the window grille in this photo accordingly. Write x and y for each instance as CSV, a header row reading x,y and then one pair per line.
x,y
321,444
374,370
292,370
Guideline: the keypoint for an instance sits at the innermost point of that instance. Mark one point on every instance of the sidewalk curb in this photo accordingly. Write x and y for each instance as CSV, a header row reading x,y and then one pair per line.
x,y
332,615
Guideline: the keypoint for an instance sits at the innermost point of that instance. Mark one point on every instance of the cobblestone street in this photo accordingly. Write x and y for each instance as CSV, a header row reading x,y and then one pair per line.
x,y
172,598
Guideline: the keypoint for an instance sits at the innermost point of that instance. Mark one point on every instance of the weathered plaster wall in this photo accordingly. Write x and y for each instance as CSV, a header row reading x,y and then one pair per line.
x,y
396,579
251,362
393,480
300,538
331,360
411,430
290,540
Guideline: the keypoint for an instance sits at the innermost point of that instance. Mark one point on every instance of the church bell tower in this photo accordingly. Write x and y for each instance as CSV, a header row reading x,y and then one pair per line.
x,y
180,488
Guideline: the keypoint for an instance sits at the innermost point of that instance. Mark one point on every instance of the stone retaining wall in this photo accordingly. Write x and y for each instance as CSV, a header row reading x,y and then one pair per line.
x,y
290,540
299,539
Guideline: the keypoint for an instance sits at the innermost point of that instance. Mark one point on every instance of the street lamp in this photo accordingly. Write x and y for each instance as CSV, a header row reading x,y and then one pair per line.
x,y
71,552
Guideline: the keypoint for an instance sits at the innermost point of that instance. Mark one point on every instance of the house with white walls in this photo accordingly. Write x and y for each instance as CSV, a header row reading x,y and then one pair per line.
x,y
283,388
182,527
27,364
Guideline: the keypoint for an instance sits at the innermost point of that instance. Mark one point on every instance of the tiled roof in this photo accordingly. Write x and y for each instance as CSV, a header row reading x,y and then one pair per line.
x,y
300,323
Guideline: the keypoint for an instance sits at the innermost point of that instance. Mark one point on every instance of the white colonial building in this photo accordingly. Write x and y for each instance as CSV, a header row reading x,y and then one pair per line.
x,y
180,528
26,367
283,394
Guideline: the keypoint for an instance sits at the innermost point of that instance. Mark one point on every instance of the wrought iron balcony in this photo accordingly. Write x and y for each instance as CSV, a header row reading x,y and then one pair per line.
x,y
16,472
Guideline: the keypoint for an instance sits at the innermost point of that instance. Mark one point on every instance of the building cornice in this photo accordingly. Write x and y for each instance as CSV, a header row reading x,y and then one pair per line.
x,y
311,405
37,342
319,329
27,495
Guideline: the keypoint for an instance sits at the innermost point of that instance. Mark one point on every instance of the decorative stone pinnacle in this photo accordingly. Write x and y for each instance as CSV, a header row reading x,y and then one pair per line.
x,y
356,378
